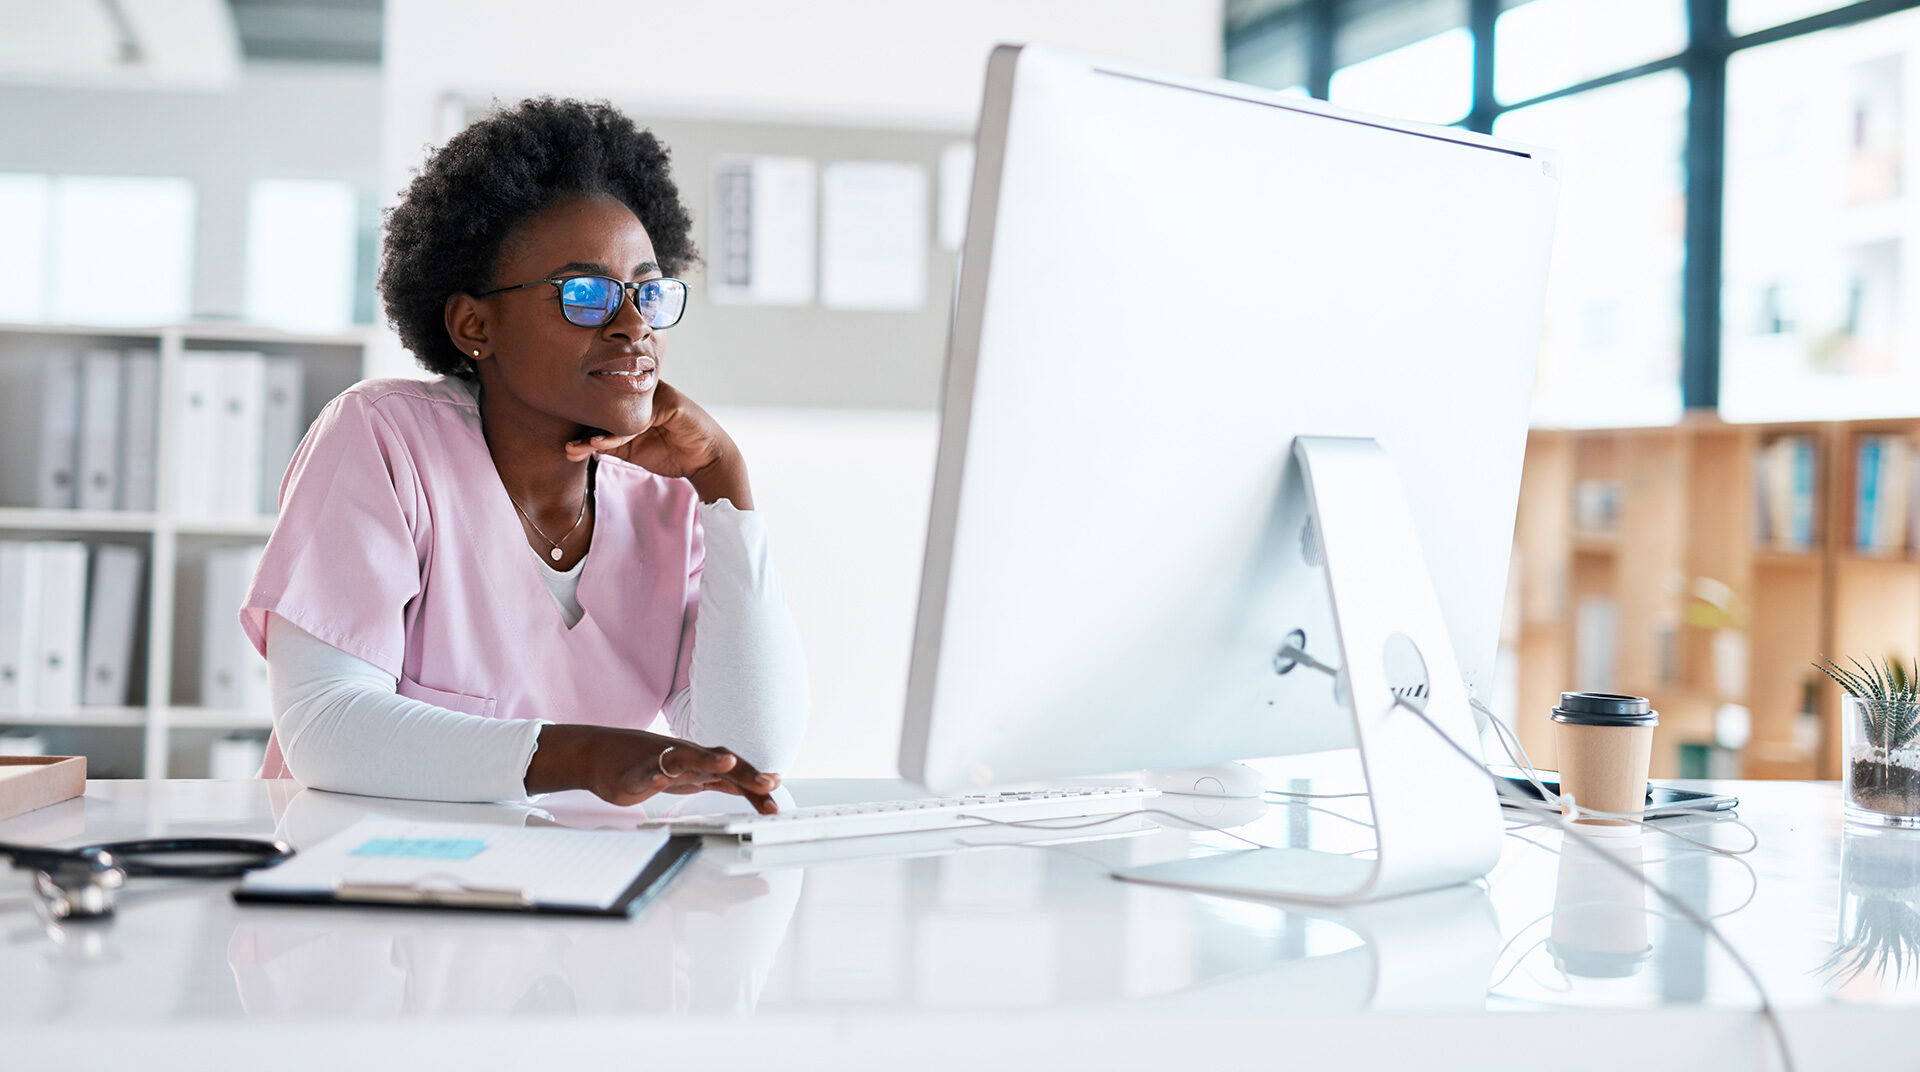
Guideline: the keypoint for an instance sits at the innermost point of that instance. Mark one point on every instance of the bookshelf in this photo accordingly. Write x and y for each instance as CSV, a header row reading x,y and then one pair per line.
x,y
165,730
1704,611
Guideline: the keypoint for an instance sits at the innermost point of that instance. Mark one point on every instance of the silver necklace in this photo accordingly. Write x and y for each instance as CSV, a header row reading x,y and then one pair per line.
x,y
556,552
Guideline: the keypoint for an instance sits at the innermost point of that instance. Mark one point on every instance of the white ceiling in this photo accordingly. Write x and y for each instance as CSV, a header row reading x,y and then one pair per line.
x,y
176,44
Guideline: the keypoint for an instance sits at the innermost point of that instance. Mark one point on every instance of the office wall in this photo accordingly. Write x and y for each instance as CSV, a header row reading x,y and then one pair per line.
x,y
892,64
802,355
283,121
899,63
833,410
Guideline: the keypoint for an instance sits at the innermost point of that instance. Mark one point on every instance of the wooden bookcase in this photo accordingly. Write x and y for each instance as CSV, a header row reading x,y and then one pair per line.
x,y
1686,527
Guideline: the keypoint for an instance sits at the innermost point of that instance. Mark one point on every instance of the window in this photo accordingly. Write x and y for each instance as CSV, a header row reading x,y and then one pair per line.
x,y
1821,227
25,210
1409,59
1776,280
302,239
1610,354
1272,53
1746,16
1546,45
86,249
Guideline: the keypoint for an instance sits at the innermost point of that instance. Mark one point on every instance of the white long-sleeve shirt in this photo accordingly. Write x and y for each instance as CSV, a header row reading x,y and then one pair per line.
x,y
342,726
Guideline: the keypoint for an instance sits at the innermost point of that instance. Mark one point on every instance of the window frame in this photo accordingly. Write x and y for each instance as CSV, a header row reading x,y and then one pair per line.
x,y
1710,45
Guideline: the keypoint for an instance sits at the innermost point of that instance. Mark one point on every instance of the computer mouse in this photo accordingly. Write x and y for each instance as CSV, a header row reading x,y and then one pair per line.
x,y
1231,780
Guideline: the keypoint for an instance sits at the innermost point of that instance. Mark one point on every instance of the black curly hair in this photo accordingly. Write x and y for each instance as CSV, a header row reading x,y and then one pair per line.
x,y
446,234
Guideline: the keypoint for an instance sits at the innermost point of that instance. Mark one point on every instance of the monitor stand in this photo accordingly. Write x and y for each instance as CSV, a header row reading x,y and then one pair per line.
x,y
1436,819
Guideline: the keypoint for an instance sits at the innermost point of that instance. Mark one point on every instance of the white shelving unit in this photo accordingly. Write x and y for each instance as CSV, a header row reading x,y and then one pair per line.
x,y
175,545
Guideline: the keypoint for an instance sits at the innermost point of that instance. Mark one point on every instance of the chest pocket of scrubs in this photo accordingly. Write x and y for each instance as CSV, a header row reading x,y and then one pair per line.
x,y
483,706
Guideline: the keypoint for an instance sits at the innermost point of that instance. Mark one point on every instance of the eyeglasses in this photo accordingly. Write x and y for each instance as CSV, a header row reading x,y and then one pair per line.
x,y
589,301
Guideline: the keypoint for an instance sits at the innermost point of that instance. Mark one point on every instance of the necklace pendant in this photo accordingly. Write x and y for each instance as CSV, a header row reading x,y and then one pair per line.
x,y
556,554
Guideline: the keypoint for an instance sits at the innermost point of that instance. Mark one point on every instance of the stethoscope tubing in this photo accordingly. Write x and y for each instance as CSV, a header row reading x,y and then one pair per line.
x,y
127,856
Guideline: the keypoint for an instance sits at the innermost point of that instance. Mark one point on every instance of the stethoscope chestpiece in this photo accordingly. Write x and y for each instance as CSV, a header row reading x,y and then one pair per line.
x,y
74,884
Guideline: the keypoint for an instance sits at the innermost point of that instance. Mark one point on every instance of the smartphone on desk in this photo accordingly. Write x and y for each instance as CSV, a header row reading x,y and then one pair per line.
x,y
1663,802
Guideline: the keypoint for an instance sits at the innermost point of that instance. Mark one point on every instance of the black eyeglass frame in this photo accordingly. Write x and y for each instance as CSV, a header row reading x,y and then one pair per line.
x,y
628,293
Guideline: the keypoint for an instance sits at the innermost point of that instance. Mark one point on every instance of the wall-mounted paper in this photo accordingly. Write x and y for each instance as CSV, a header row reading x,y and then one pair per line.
x,y
763,230
956,189
873,235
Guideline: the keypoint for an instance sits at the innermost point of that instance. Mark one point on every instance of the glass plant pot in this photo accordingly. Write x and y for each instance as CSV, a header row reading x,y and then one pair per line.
x,y
1881,764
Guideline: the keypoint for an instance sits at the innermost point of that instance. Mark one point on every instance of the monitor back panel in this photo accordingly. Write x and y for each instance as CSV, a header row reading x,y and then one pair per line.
x,y
1165,281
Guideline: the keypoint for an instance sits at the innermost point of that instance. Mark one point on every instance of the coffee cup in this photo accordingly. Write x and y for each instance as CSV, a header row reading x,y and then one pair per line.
x,y
1600,909
1605,743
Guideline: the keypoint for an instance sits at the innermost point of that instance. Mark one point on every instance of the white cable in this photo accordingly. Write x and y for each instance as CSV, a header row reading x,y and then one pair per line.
x,y
1753,876
1767,1011
1557,804
1323,811
1034,824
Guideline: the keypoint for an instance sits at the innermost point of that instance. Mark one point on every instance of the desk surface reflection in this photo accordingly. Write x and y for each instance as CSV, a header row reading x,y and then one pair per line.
x,y
1830,918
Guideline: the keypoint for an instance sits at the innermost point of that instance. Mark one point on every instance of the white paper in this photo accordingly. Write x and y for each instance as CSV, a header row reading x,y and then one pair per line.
x,y
762,247
956,188
873,235
585,868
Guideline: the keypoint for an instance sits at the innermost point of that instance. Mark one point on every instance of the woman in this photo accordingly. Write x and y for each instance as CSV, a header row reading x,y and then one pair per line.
x,y
486,585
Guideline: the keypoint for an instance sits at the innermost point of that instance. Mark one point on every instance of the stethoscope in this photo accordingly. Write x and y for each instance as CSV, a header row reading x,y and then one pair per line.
x,y
79,883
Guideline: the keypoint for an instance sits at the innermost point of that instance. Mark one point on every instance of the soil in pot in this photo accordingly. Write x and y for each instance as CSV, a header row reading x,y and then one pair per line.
x,y
1884,784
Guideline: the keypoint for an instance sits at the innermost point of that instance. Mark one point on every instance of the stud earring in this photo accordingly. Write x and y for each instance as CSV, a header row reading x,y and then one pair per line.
x,y
476,353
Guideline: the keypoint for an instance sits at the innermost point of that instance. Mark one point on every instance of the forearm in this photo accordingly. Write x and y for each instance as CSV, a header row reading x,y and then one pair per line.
x,y
747,687
342,727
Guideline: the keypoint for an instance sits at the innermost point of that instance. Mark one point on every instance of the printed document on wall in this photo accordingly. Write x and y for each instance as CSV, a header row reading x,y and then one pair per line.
x,y
763,230
873,235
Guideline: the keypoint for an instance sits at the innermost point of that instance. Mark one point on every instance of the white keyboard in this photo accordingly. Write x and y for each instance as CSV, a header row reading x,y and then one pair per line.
x,y
898,816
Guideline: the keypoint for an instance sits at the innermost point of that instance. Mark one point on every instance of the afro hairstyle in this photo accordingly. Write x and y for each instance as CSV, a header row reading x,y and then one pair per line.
x,y
446,234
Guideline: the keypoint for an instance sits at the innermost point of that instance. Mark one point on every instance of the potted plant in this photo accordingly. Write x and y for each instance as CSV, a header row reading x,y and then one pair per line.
x,y
1880,719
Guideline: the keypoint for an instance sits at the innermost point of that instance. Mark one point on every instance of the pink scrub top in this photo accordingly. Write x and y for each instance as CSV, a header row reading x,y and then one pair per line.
x,y
397,543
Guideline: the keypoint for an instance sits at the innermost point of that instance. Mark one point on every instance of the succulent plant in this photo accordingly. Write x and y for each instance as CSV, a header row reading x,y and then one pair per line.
x,y
1891,715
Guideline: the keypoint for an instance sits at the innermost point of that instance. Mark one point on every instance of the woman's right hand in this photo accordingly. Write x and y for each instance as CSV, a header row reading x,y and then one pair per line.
x,y
627,766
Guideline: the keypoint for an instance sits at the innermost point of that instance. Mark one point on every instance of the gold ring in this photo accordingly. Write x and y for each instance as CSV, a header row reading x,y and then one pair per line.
x,y
661,759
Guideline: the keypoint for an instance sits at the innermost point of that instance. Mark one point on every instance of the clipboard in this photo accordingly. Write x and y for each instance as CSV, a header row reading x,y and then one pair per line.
x,y
440,883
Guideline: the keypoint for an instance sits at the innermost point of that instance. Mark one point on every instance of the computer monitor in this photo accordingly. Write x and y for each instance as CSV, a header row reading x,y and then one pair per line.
x,y
1166,281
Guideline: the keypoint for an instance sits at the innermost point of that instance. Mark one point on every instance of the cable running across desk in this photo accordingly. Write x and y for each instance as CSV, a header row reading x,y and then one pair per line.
x,y
1568,810
1572,810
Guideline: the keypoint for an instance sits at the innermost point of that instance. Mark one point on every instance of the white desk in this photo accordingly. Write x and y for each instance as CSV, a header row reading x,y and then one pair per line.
x,y
991,957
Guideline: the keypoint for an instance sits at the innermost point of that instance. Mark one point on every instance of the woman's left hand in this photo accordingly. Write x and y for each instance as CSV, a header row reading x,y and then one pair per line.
x,y
682,440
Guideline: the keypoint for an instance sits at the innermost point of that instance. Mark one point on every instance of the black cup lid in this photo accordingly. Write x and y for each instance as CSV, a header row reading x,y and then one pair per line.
x,y
1605,709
